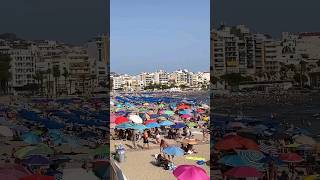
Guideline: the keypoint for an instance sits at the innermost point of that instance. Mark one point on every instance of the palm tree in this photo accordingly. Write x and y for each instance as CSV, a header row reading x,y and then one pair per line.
x,y
5,75
65,74
38,76
56,75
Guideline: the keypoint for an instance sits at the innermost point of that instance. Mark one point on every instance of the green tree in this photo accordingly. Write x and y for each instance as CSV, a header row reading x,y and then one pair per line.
x,y
39,77
234,79
5,75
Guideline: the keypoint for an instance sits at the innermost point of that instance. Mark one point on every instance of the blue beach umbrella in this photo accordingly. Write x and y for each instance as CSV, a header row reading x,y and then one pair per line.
x,y
173,150
138,127
166,123
178,126
232,160
31,138
124,126
152,125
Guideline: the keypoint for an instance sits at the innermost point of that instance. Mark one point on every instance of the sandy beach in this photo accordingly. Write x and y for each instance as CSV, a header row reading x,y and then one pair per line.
x,y
145,170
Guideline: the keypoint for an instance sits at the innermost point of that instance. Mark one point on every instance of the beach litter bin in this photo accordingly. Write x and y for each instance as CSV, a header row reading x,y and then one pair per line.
x,y
120,153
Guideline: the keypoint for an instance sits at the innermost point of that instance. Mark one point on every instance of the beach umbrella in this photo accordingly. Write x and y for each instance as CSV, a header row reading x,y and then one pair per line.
x,y
168,112
121,119
178,126
5,131
135,118
268,149
186,116
294,145
112,117
31,138
12,172
78,174
233,160
166,123
183,106
36,160
231,142
190,172
150,121
138,127
201,111
291,157
185,111
250,155
154,116
271,158
37,177
152,125
303,139
124,126
243,172
192,124
40,149
173,150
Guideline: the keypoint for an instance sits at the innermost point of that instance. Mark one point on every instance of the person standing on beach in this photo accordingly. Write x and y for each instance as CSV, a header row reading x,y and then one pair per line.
x,y
134,139
145,139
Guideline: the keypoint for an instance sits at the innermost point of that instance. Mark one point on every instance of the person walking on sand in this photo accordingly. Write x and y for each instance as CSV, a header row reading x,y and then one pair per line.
x,y
145,139
134,139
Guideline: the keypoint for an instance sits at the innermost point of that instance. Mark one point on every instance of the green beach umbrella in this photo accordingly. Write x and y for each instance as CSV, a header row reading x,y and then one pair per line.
x,y
192,124
168,112
40,149
37,132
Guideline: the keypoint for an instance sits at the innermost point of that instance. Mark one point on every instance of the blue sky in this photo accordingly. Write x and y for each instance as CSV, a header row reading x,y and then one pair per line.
x,y
148,35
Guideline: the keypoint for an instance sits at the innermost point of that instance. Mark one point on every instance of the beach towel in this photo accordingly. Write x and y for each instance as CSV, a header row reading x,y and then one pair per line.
x,y
195,158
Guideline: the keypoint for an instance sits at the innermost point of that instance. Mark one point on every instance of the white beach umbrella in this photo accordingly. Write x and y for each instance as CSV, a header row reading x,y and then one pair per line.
x,y
303,139
78,174
5,131
135,118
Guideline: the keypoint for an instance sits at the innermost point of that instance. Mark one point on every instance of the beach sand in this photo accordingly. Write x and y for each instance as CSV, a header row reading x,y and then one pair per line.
x,y
138,164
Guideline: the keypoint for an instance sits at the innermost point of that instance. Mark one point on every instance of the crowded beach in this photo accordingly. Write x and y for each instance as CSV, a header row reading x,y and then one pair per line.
x,y
54,139
160,137
250,148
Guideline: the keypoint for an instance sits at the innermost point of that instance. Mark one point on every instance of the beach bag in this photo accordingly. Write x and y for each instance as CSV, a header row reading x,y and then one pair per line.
x,y
171,166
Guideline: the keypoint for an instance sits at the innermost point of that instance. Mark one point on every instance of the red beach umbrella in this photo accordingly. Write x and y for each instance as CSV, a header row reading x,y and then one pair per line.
x,y
121,119
291,157
149,121
183,106
236,142
243,172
